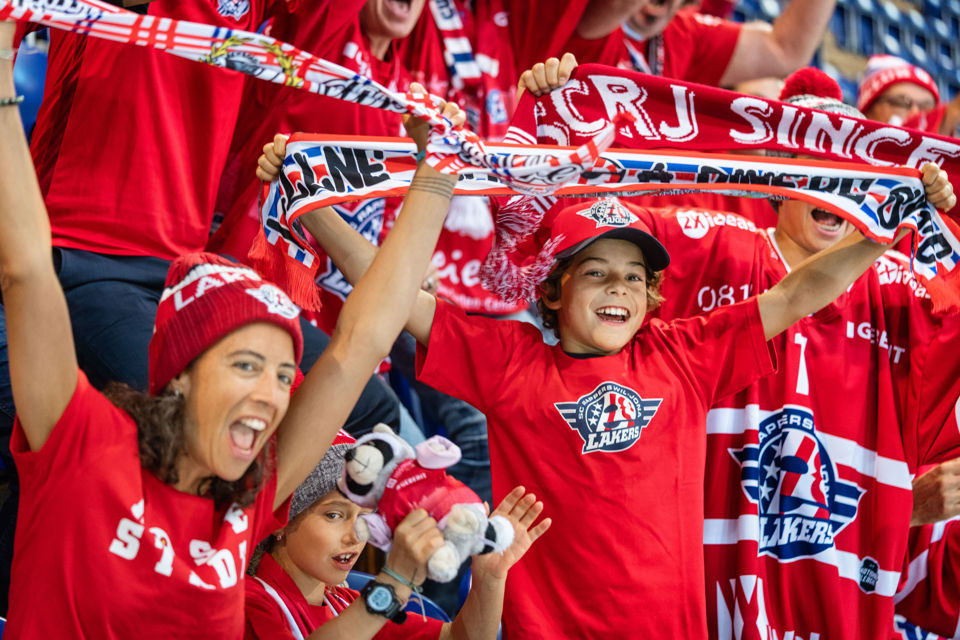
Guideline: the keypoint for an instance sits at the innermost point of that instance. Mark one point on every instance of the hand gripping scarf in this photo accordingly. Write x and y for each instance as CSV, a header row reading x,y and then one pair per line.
x,y
644,112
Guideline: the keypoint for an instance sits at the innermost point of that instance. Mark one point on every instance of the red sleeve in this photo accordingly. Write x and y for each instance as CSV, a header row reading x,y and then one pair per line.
x,y
469,356
929,594
263,619
698,47
89,424
722,351
933,395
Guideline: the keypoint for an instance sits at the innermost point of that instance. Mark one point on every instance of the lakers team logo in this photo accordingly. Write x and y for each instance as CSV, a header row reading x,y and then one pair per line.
x,y
608,212
610,418
803,504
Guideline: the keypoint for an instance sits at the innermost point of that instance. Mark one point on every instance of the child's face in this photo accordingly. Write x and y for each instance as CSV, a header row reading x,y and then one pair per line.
x,y
322,542
603,298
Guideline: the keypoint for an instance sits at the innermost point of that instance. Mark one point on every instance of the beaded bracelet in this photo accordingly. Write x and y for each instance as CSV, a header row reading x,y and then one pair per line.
x,y
420,156
11,102
8,54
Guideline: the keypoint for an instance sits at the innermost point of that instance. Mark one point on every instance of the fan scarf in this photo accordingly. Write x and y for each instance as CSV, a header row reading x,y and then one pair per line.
x,y
324,170
450,149
643,112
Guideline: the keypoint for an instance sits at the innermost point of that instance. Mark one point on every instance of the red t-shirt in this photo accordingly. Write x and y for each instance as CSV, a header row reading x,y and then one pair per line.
x,y
614,446
809,497
267,620
130,141
693,47
105,549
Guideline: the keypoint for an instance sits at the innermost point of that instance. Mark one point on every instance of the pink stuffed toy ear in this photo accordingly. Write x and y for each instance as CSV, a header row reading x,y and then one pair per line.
x,y
437,453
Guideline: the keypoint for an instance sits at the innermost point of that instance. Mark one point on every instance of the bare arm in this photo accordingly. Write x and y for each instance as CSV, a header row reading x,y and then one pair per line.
x,y
816,282
821,278
480,615
603,16
371,319
43,364
781,48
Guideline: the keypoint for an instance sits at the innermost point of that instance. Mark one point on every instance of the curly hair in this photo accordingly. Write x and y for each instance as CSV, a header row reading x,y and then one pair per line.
x,y
550,290
161,440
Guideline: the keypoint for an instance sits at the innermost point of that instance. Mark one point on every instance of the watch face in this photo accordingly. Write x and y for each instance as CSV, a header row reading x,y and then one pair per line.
x,y
379,598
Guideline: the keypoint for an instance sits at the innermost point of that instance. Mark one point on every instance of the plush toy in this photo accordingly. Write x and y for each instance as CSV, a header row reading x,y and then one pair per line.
x,y
382,471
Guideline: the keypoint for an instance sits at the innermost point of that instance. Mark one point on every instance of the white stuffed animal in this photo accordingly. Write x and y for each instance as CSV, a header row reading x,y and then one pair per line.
x,y
383,472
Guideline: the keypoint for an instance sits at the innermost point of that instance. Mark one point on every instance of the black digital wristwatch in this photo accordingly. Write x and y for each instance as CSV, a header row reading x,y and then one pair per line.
x,y
381,599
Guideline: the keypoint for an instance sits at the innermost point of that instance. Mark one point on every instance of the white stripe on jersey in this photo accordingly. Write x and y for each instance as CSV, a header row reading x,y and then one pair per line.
x,y
746,528
916,572
843,451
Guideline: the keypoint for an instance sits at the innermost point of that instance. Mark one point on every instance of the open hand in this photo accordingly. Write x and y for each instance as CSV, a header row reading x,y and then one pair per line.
x,y
521,509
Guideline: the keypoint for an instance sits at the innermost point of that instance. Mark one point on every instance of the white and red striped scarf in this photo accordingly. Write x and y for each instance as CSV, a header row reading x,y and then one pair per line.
x,y
450,150
644,112
324,170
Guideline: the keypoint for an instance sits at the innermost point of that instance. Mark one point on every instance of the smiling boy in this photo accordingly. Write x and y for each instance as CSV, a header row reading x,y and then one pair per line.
x,y
608,426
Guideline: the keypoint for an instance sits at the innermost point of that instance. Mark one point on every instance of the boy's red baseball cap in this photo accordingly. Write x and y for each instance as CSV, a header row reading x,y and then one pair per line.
x,y
580,225
521,258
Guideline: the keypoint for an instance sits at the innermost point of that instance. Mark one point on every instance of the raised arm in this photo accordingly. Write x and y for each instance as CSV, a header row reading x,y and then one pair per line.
x,y
371,319
43,364
351,252
480,615
821,278
780,48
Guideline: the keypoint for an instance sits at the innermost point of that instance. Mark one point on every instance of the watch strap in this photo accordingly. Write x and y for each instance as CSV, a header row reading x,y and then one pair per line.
x,y
394,612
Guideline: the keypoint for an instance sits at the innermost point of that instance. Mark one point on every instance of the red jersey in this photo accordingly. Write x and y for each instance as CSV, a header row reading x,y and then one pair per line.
x,y
693,47
412,487
115,144
929,594
269,615
614,446
105,549
809,497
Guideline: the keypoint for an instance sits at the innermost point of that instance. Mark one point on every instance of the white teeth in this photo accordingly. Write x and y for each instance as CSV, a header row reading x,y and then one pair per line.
x,y
254,423
613,311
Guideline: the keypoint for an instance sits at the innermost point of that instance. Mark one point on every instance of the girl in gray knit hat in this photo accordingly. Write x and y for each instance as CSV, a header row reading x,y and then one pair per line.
x,y
296,592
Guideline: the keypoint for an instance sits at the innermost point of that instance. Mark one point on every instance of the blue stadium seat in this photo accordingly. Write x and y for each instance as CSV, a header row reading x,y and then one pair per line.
x,y
891,45
867,28
770,9
840,25
357,579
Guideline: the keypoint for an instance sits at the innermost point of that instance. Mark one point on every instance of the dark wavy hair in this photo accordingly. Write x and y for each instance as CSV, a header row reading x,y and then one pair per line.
x,y
550,291
161,440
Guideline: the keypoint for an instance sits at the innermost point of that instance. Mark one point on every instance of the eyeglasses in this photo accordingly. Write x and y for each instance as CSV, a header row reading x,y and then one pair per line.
x,y
907,103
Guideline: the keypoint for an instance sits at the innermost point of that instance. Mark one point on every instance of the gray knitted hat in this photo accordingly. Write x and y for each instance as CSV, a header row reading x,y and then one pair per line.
x,y
323,479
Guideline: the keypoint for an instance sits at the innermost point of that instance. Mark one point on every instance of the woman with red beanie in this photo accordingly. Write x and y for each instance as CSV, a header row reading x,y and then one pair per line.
x,y
139,512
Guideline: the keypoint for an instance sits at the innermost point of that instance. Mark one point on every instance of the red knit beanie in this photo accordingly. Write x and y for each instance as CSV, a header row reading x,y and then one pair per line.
x,y
883,71
205,298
